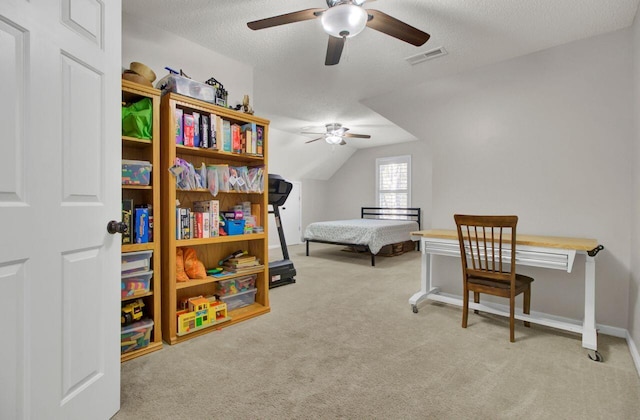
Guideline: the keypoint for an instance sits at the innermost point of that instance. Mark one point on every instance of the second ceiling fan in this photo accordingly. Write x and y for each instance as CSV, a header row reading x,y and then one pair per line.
x,y
345,19
335,134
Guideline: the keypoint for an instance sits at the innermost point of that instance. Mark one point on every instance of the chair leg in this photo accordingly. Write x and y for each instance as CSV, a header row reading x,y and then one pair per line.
x,y
526,307
512,319
476,299
465,307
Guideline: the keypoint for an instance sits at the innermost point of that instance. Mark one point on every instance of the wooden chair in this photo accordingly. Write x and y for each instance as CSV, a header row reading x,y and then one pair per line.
x,y
487,250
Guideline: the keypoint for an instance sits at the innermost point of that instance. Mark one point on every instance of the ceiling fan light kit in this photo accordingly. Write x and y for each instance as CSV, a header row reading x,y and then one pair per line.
x,y
333,139
344,20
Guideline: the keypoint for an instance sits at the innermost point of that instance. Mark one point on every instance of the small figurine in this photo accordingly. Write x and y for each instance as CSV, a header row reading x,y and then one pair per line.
x,y
246,108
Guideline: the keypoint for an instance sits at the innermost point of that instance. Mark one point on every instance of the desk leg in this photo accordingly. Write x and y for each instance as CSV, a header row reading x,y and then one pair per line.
x,y
589,333
425,280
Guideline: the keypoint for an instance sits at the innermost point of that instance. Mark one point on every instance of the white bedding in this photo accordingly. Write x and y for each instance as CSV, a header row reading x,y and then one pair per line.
x,y
374,233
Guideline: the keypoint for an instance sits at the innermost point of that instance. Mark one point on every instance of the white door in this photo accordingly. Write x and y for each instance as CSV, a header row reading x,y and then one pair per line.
x,y
290,218
290,214
60,148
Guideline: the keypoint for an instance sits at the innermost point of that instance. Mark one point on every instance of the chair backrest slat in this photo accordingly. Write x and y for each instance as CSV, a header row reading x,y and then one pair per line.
x,y
484,242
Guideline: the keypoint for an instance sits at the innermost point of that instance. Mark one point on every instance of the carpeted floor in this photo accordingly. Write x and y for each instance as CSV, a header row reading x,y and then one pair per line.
x,y
343,343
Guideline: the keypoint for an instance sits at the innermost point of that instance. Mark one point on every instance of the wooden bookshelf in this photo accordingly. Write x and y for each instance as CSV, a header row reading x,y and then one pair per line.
x,y
146,150
209,250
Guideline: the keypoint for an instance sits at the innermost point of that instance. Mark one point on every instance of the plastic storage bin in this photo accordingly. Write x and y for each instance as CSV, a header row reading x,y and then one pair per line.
x,y
135,284
136,335
234,227
136,172
233,286
187,87
239,300
136,261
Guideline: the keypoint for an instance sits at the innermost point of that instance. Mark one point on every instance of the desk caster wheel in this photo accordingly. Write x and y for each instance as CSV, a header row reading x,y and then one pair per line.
x,y
414,308
597,357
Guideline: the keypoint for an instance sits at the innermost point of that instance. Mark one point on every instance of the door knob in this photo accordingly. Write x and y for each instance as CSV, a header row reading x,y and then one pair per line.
x,y
114,227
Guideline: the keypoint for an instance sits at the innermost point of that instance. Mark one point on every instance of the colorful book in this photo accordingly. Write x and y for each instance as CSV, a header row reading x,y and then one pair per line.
x,y
250,136
206,226
127,218
196,129
236,140
188,129
214,131
259,139
141,225
197,232
150,209
205,132
226,135
178,128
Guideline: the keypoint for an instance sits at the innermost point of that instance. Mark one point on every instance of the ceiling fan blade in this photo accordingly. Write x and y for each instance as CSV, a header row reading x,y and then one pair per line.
x,y
357,136
307,132
299,16
391,26
311,141
342,143
334,51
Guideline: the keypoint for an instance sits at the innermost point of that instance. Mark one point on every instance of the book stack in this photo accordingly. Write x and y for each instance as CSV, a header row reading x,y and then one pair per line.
x,y
139,221
206,218
242,263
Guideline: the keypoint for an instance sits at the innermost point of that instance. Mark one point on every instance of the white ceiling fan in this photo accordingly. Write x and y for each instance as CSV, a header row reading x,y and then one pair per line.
x,y
335,134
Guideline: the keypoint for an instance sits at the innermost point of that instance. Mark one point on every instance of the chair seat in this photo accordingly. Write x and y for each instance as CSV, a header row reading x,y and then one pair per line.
x,y
522,282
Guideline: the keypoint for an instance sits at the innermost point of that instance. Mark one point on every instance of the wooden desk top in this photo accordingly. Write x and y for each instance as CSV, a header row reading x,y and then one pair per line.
x,y
579,244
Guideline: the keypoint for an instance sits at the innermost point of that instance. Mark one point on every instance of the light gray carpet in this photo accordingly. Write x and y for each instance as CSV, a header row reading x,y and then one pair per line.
x,y
343,343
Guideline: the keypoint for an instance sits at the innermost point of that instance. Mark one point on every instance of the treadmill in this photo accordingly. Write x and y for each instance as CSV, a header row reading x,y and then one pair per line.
x,y
281,272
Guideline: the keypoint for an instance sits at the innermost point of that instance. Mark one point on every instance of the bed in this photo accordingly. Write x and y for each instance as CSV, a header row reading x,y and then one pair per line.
x,y
376,228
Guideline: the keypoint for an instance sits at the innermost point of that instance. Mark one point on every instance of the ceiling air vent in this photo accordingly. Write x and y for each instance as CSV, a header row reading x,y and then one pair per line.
x,y
427,55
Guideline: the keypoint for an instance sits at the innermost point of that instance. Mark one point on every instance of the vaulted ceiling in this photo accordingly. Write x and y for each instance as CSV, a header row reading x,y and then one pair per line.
x,y
296,90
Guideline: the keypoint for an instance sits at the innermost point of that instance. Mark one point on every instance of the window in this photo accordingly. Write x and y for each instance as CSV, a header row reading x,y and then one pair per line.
x,y
393,181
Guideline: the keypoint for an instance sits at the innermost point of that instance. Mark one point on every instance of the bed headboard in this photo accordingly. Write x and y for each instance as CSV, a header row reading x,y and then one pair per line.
x,y
402,213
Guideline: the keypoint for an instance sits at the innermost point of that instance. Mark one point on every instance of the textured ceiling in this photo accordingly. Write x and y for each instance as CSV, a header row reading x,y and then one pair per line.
x,y
295,89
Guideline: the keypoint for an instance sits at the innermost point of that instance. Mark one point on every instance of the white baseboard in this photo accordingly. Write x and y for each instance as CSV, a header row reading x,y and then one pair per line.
x,y
634,352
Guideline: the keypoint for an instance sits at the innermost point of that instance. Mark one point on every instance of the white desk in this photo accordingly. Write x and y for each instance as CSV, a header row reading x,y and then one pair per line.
x,y
537,251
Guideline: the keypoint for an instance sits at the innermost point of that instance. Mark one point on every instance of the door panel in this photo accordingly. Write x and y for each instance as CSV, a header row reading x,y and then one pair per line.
x,y
82,131
12,54
12,369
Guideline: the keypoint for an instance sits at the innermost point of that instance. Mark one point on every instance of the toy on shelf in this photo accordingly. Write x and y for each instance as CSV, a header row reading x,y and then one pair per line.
x,y
236,254
201,312
131,312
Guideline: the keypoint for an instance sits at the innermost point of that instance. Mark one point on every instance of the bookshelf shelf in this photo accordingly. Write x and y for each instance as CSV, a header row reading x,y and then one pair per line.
x,y
136,187
210,279
138,247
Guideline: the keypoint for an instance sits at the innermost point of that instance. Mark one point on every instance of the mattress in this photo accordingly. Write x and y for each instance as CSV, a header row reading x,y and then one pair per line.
x,y
375,233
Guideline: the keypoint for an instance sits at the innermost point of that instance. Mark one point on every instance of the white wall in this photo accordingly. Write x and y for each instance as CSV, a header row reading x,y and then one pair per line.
x,y
634,289
159,49
546,136
353,185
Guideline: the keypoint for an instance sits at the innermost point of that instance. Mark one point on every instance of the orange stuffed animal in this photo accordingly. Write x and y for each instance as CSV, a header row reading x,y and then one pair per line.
x,y
192,265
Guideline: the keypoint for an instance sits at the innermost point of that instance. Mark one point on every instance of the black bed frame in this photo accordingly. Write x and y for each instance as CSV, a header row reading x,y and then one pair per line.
x,y
403,213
